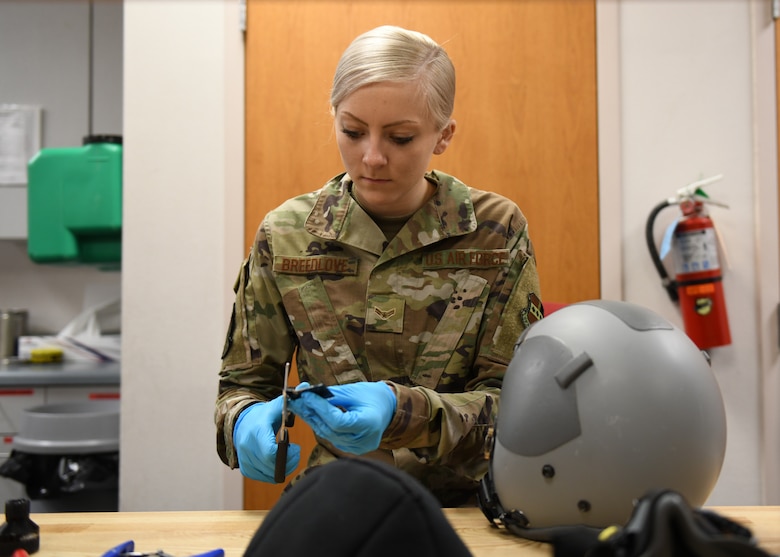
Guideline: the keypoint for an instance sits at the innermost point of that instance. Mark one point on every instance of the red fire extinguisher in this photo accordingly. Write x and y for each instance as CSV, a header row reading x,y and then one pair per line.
x,y
697,286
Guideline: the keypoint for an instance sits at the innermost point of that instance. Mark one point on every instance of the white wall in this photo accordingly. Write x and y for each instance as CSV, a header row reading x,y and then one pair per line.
x,y
696,99
182,247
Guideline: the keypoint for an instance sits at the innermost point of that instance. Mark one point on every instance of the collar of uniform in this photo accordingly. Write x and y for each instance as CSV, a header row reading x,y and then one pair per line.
x,y
448,213
451,205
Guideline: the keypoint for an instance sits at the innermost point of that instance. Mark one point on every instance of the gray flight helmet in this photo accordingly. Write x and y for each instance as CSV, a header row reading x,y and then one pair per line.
x,y
602,402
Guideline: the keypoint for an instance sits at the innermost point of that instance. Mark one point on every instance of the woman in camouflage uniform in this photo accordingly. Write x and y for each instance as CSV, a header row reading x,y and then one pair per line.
x,y
401,289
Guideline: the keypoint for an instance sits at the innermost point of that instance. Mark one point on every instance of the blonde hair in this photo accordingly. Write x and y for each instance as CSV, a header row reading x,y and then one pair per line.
x,y
390,53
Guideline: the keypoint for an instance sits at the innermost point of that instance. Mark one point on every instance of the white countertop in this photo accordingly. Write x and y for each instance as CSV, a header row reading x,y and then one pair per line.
x,y
65,373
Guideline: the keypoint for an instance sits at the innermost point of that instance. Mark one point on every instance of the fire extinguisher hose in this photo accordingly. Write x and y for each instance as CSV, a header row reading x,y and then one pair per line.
x,y
669,284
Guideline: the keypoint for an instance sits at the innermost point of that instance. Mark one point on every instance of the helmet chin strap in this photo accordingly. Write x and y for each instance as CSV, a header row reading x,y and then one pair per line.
x,y
661,524
516,522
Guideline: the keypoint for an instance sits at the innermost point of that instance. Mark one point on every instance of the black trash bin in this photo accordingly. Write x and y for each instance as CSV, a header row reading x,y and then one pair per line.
x,y
67,456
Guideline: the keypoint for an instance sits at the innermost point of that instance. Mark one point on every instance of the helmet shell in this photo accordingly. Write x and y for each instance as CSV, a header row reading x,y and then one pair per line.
x,y
602,402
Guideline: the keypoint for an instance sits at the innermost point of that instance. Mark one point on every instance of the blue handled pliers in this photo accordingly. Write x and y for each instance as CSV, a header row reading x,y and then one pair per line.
x,y
127,549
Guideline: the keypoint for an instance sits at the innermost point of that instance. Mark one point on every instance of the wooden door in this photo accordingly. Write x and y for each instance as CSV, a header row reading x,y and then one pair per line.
x,y
525,109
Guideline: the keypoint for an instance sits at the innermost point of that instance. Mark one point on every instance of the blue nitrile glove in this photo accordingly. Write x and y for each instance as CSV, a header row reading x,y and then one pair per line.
x,y
353,419
254,437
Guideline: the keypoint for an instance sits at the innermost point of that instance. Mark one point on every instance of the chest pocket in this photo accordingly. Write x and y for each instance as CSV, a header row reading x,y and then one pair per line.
x,y
466,299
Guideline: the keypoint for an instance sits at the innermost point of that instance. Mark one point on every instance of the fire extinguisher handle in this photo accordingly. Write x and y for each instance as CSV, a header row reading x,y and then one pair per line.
x,y
668,283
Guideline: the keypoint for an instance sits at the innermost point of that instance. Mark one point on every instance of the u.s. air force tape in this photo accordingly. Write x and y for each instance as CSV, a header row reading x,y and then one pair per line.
x,y
466,258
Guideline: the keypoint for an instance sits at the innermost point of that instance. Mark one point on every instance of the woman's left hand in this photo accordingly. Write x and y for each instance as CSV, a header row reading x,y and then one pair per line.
x,y
353,419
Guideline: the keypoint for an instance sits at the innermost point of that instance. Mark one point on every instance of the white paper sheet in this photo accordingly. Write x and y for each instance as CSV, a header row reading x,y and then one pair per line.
x,y
20,140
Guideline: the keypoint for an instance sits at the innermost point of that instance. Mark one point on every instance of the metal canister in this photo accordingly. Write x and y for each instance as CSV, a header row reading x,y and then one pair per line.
x,y
13,324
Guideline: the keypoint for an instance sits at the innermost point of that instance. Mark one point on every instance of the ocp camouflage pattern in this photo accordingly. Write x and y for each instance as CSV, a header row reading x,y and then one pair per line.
x,y
435,312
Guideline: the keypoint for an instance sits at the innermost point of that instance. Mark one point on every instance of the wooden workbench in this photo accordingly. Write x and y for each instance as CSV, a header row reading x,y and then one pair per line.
x,y
187,533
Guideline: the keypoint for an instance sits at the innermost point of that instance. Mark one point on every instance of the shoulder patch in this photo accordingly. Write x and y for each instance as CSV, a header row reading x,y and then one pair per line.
x,y
532,312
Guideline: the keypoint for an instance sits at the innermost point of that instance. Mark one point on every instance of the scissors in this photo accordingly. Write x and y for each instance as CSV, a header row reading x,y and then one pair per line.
x,y
288,420
282,437
127,549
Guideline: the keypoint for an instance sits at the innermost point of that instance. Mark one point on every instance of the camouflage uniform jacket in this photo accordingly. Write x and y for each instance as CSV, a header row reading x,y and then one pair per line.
x,y
435,312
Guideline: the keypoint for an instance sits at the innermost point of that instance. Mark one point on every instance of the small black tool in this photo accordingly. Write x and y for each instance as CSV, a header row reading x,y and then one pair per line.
x,y
320,389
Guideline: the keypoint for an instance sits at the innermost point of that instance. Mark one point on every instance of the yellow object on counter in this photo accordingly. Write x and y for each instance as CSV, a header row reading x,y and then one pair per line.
x,y
45,355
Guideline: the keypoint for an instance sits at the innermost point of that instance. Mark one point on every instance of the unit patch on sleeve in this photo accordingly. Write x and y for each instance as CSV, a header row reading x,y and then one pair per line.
x,y
533,311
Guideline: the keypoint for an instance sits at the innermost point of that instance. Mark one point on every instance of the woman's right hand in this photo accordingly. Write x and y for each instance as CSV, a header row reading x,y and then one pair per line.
x,y
254,437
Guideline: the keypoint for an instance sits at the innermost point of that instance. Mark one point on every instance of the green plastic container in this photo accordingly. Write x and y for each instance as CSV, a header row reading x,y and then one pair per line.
x,y
74,203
